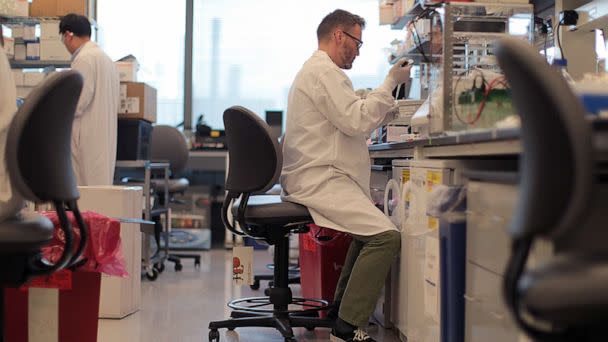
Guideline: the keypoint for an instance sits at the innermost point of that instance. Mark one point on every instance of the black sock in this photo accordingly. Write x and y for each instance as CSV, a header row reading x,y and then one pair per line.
x,y
343,327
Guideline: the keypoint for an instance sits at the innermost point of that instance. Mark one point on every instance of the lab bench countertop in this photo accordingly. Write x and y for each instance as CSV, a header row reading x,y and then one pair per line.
x,y
491,142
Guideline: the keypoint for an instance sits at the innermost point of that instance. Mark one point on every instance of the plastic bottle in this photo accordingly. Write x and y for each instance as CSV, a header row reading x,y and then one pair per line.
x,y
561,65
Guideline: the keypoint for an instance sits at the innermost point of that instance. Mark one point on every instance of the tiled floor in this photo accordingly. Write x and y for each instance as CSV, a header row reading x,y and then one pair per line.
x,y
178,307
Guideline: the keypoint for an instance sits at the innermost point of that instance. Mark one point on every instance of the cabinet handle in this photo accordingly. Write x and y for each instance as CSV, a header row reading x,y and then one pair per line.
x,y
470,299
497,315
498,219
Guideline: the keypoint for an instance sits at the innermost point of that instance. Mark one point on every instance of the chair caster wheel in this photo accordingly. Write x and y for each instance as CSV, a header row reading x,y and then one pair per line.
x,y
160,267
197,263
178,267
152,276
255,285
214,336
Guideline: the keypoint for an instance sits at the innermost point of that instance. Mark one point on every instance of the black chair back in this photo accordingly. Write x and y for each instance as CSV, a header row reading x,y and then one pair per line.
x,y
38,147
556,166
255,159
38,157
557,158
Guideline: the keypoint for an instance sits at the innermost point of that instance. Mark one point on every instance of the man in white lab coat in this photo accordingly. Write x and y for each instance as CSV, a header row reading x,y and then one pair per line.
x,y
327,168
10,200
94,131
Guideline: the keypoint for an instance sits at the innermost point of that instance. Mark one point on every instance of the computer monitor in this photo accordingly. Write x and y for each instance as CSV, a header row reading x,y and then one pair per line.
x,y
274,119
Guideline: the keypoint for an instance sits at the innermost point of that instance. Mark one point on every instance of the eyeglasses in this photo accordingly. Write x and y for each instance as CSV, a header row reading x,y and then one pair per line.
x,y
357,40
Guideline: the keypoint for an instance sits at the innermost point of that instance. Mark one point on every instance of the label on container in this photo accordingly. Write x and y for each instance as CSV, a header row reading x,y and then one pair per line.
x,y
433,222
130,105
433,178
405,176
431,278
242,266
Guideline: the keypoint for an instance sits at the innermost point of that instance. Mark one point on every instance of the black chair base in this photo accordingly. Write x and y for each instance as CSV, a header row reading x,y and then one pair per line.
x,y
294,278
276,310
281,322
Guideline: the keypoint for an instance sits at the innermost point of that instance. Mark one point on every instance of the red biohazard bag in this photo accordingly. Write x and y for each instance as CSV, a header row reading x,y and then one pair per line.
x,y
103,252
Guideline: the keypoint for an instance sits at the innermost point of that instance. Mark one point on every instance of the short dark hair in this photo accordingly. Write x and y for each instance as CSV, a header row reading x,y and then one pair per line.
x,y
338,18
78,24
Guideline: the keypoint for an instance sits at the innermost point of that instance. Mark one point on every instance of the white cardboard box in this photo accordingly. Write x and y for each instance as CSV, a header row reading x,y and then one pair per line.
x,y
127,71
32,51
19,8
20,52
49,30
53,50
17,31
119,296
32,79
29,33
9,47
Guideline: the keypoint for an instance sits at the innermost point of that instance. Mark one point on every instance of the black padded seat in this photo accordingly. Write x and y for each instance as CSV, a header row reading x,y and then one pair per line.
x,y
25,232
175,185
581,297
271,210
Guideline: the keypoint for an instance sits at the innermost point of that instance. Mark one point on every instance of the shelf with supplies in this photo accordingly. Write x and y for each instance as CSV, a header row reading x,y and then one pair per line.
x,y
37,64
13,20
409,16
416,54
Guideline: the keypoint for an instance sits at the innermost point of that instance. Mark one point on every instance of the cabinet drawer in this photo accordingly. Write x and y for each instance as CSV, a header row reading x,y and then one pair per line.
x,y
483,326
484,287
488,243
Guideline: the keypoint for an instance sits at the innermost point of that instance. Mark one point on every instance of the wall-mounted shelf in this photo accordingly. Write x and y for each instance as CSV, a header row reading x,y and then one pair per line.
x,y
411,14
415,54
11,20
39,64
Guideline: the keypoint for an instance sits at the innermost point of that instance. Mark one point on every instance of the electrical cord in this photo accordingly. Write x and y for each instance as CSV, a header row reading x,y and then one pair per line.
x,y
428,11
489,87
559,40
418,43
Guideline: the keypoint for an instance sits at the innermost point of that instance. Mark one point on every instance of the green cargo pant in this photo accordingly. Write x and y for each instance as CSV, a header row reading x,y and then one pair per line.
x,y
367,264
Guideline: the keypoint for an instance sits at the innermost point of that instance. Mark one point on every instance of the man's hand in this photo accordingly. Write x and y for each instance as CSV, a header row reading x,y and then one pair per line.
x,y
400,74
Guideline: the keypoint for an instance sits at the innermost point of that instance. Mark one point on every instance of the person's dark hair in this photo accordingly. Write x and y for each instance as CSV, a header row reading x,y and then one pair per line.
x,y
338,18
79,25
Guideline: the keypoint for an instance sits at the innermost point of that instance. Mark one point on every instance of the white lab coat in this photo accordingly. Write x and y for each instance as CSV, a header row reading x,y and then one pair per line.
x,y
10,200
326,164
94,131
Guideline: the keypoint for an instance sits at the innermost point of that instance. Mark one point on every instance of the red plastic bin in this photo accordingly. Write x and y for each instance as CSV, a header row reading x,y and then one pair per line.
x,y
322,255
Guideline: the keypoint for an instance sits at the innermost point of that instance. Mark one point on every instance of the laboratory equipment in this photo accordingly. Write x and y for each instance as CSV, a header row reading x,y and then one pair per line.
x,y
419,309
461,39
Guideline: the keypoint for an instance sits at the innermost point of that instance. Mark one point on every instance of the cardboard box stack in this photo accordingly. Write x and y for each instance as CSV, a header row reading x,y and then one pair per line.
x,y
58,8
137,101
17,8
51,47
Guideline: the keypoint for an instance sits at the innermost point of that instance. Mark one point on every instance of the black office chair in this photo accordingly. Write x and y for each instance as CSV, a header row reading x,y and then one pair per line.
x,y
563,199
294,269
38,159
167,143
255,165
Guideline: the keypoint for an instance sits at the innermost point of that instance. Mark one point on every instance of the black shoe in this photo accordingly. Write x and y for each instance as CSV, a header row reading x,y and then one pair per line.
x,y
357,335
346,332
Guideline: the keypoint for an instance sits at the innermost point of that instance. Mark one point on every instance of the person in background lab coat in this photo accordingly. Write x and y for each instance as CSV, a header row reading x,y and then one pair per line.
x,y
326,165
94,131
10,200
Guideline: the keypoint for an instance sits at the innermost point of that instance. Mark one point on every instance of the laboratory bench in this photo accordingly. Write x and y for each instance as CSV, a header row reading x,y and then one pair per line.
x,y
468,250
494,142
